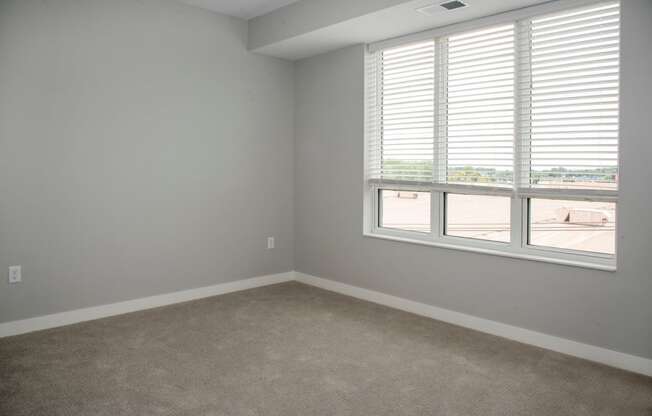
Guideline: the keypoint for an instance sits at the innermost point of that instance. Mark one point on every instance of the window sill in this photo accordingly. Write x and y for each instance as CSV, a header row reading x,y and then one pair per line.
x,y
517,255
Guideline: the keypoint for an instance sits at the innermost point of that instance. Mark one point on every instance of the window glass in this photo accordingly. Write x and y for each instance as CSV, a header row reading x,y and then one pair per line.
x,y
478,216
573,225
404,210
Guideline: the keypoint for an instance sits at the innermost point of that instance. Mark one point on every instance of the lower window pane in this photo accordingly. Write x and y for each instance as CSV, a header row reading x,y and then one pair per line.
x,y
404,210
478,216
573,225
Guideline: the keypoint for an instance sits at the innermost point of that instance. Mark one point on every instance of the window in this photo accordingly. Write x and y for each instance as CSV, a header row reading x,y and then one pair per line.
x,y
404,210
573,225
478,216
503,138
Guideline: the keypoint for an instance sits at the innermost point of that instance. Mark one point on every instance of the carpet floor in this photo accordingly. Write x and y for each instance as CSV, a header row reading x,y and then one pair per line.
x,y
291,349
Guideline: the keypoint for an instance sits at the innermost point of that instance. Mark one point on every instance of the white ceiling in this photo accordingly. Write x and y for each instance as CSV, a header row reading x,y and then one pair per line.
x,y
293,36
245,9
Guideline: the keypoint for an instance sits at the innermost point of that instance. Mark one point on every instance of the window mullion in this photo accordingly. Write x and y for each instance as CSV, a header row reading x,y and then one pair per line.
x,y
441,121
440,134
379,113
522,124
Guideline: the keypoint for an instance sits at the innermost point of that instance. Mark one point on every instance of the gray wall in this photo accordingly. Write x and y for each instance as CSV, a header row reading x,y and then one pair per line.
x,y
142,151
612,310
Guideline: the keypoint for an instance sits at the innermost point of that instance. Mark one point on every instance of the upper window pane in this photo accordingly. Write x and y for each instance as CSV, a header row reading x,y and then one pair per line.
x,y
478,216
407,111
404,210
573,225
479,107
573,120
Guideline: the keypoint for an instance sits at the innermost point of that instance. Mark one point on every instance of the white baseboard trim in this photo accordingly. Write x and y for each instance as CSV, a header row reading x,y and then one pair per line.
x,y
577,349
95,312
589,352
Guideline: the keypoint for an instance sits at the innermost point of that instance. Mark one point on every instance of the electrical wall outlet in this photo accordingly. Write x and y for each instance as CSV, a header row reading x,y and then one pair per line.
x,y
15,274
270,242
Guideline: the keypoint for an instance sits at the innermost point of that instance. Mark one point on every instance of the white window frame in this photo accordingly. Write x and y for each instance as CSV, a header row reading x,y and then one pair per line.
x,y
519,246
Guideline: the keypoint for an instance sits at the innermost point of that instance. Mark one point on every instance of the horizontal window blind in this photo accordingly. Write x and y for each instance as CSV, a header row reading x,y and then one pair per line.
x,y
480,106
403,139
570,130
531,104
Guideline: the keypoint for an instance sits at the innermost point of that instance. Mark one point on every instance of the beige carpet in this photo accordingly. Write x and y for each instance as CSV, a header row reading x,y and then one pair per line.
x,y
291,349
